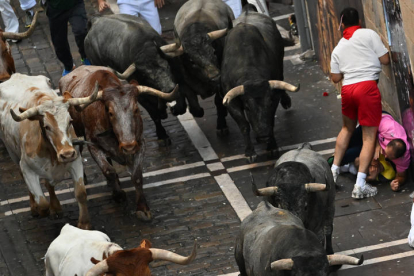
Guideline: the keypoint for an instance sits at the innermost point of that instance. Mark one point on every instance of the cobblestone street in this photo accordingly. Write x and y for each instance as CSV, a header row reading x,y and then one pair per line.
x,y
199,188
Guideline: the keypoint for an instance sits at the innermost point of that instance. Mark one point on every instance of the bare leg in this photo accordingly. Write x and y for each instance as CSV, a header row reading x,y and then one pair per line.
x,y
55,208
76,171
369,136
343,139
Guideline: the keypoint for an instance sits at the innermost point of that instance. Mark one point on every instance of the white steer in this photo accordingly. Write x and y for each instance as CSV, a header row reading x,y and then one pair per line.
x,y
40,140
75,252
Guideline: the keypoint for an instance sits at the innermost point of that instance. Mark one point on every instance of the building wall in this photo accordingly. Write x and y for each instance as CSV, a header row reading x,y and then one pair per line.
x,y
374,19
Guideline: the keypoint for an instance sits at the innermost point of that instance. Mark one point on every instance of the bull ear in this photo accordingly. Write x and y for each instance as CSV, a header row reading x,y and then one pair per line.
x,y
66,96
94,261
22,109
229,23
145,244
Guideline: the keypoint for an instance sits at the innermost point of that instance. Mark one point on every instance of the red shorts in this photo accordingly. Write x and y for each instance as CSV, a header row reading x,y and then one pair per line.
x,y
362,101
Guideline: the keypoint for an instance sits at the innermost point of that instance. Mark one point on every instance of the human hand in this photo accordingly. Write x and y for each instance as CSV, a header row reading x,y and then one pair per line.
x,y
103,6
395,185
377,152
159,3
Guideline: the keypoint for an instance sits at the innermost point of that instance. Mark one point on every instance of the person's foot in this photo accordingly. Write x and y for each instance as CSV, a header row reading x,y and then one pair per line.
x,y
367,191
85,61
65,72
29,18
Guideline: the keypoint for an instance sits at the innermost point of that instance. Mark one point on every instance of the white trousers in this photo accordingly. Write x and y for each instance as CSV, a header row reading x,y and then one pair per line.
x,y
235,5
146,9
411,234
27,4
10,20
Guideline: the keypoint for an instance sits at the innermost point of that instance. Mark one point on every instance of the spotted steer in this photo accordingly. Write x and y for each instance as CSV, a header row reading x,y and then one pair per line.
x,y
40,140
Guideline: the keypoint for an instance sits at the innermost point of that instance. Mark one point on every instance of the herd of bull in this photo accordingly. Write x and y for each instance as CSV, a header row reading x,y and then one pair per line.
x,y
240,62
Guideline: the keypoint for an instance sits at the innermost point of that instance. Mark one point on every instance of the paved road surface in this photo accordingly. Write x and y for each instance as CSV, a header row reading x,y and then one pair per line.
x,y
199,187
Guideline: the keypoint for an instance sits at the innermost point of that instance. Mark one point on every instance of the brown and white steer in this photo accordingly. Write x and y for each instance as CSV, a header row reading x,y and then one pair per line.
x,y
112,125
40,140
75,251
6,60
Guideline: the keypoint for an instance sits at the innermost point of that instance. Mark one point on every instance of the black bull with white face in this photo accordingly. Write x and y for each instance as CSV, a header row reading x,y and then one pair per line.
x,y
302,183
273,241
251,77
130,45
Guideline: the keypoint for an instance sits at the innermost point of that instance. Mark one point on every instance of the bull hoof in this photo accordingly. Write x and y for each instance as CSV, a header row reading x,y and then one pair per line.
x,y
84,226
222,132
119,196
165,142
144,215
198,113
286,102
251,159
43,213
177,111
55,215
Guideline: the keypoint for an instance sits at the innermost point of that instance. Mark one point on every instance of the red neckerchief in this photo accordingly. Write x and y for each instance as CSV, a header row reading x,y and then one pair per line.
x,y
348,32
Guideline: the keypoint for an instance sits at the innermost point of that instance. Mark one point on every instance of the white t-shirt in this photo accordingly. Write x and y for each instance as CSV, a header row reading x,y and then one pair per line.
x,y
358,58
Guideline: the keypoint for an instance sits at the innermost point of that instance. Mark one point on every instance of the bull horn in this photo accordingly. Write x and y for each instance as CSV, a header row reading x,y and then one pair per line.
x,y
283,264
315,187
19,36
25,115
165,255
176,53
168,97
275,84
217,34
343,259
173,46
85,101
127,73
269,191
233,93
98,269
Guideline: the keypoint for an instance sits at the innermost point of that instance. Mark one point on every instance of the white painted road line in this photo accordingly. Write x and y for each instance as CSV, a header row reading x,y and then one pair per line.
x,y
197,137
284,148
130,189
373,247
233,195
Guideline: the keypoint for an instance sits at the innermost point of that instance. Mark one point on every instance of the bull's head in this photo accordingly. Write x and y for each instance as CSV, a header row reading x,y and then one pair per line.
x,y
6,60
135,262
123,112
314,265
288,188
198,54
259,102
55,122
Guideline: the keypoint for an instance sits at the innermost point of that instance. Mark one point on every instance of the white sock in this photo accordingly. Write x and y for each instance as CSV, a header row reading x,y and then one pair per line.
x,y
335,171
352,168
344,168
361,179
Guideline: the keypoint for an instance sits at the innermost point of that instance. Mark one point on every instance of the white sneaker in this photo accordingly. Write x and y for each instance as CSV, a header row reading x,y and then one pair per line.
x,y
367,191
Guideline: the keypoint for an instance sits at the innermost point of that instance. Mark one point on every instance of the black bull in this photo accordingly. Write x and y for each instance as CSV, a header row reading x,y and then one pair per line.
x,y
251,72
118,41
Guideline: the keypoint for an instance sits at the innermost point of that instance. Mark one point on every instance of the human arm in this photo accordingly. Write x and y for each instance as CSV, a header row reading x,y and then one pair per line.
x,y
159,3
374,170
102,5
385,59
399,180
378,150
336,77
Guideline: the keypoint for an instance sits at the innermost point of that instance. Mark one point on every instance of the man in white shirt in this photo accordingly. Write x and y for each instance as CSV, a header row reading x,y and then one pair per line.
x,y
357,61
147,9
235,5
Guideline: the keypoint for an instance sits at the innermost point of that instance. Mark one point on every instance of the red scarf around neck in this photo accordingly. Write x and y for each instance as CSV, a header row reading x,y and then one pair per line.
x,y
348,32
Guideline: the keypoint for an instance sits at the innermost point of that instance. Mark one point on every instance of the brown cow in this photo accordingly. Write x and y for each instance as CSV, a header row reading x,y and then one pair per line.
x,y
113,125
6,60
